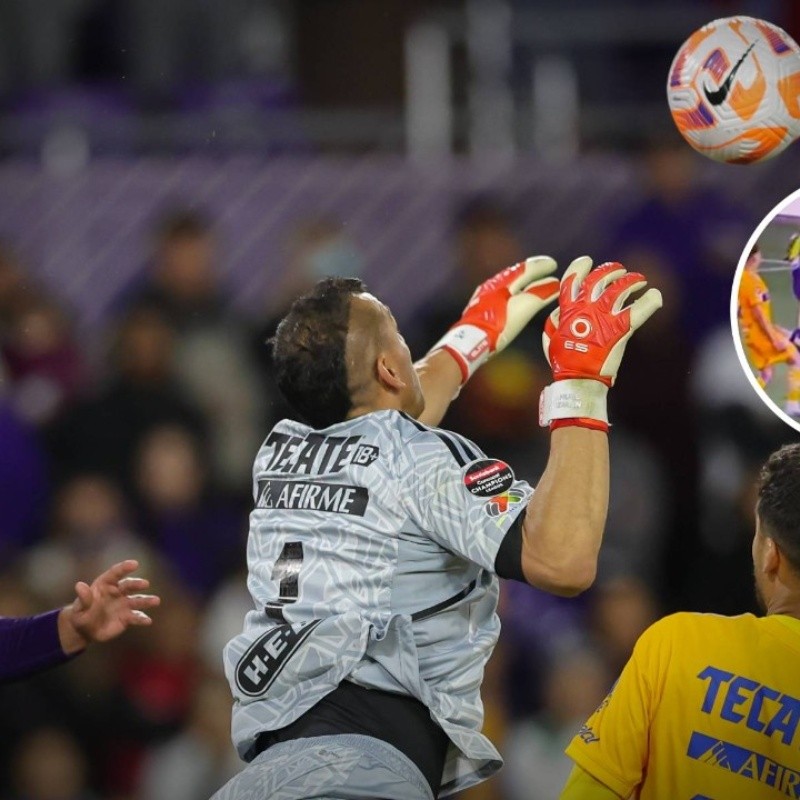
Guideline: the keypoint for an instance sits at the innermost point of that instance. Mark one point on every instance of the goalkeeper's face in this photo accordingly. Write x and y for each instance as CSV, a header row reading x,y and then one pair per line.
x,y
379,360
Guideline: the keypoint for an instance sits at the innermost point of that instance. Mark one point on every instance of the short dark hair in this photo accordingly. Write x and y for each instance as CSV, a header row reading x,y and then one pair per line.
x,y
779,501
754,250
308,352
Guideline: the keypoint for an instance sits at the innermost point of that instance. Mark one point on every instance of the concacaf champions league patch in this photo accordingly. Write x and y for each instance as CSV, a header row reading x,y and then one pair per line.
x,y
488,477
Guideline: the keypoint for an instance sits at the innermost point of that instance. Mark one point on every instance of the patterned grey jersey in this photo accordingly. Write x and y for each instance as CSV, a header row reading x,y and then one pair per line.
x,y
371,558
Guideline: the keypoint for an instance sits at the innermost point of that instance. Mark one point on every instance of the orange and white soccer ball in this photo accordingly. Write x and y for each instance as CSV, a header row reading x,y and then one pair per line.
x,y
734,90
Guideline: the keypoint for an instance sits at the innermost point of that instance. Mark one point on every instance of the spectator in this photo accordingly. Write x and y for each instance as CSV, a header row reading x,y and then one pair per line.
x,y
182,283
495,407
13,286
691,232
159,678
44,364
89,530
622,609
205,744
49,765
737,432
201,537
657,410
24,484
485,241
212,363
102,433
536,767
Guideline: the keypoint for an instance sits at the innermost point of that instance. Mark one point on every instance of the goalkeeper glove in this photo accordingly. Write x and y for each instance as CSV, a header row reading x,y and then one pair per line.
x,y
497,311
585,337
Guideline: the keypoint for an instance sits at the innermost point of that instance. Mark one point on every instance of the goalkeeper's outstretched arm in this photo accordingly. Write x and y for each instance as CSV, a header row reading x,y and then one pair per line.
x,y
584,341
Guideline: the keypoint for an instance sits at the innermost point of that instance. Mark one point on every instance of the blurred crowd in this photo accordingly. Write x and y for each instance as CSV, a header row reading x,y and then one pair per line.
x,y
136,439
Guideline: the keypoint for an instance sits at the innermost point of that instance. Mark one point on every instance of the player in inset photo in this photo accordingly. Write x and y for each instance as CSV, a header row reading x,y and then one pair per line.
x,y
765,342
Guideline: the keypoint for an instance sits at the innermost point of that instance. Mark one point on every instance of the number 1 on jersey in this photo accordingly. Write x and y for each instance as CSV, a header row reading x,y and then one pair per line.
x,y
286,574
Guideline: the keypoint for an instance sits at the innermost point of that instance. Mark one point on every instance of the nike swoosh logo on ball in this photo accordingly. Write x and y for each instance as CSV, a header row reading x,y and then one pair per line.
x,y
718,95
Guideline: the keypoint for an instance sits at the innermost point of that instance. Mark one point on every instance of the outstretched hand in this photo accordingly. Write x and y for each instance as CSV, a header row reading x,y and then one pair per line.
x,y
585,337
498,310
105,608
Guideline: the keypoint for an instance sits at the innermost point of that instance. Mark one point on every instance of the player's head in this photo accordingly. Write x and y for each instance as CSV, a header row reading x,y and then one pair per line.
x,y
776,545
338,354
753,258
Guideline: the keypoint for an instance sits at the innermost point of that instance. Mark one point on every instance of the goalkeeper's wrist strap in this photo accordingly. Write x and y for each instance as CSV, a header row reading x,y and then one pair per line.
x,y
469,346
576,401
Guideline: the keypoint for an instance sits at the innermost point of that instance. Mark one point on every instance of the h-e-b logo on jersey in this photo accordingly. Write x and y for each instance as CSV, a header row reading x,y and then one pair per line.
x,y
267,656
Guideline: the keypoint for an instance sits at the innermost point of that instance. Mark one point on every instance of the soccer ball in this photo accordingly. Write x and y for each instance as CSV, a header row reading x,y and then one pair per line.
x,y
734,90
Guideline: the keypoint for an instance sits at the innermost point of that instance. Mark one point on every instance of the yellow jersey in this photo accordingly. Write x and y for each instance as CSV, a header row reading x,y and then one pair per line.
x,y
753,292
707,708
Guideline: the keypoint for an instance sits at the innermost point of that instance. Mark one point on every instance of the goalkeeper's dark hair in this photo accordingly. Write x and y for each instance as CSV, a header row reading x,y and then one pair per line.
x,y
308,352
778,505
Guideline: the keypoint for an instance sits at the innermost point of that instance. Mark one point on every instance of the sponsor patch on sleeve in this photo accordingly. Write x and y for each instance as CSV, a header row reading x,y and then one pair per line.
x,y
488,477
503,503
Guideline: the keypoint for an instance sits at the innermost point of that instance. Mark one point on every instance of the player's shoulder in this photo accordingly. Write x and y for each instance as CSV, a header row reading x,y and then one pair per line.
x,y
693,626
438,441
747,281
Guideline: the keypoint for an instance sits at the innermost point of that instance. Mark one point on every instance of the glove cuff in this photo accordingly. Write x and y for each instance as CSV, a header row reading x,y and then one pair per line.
x,y
468,344
574,402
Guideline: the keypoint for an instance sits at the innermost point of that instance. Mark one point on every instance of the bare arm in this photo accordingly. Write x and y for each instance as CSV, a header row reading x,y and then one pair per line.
x,y
440,377
565,518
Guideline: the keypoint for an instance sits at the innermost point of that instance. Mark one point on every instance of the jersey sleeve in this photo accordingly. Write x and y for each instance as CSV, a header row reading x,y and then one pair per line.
x,y
613,744
463,500
29,644
582,786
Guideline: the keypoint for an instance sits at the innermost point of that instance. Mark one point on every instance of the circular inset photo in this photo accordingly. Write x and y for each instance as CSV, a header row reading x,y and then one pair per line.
x,y
765,310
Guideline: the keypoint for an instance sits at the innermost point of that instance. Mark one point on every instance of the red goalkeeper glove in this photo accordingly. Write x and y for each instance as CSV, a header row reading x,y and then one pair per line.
x,y
497,311
585,337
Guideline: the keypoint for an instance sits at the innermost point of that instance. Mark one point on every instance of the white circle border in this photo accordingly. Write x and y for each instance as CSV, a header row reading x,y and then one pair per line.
x,y
734,308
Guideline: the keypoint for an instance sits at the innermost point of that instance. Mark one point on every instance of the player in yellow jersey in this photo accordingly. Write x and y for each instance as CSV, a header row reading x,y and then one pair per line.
x,y
765,342
708,707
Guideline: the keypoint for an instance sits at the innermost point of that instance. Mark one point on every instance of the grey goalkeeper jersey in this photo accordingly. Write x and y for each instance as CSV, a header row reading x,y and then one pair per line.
x,y
371,558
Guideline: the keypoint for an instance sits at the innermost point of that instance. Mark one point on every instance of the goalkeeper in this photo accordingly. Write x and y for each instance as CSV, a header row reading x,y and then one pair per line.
x,y
376,540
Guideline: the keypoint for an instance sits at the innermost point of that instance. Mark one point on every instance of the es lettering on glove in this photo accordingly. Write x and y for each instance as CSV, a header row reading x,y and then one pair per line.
x,y
585,337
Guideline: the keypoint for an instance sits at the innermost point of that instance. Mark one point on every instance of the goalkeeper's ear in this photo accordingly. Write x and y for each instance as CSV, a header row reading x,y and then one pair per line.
x,y
389,376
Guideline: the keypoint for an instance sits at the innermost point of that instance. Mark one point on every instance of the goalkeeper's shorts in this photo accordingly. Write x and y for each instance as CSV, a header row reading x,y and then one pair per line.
x,y
341,767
